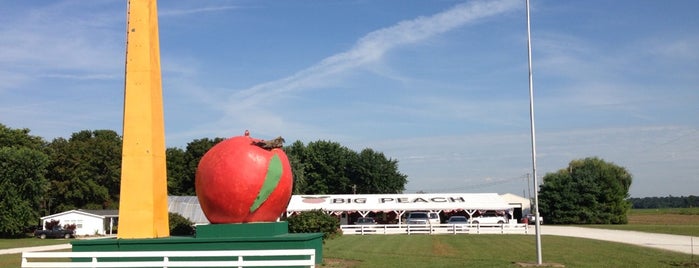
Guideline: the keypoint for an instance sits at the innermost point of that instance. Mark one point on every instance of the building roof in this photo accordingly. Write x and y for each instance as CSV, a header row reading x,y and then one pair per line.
x,y
102,212
188,207
91,213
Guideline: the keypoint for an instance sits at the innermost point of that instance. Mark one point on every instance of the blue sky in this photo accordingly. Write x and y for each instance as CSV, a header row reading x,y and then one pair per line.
x,y
440,86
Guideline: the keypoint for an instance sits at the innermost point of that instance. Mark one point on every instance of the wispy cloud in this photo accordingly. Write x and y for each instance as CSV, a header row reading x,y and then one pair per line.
x,y
374,45
370,49
55,41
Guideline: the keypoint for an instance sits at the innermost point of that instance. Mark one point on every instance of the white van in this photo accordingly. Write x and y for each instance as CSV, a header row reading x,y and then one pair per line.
x,y
422,217
490,217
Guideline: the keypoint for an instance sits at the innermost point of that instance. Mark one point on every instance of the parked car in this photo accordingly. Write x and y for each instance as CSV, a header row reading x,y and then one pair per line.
x,y
489,218
365,221
531,219
458,223
457,220
56,232
421,217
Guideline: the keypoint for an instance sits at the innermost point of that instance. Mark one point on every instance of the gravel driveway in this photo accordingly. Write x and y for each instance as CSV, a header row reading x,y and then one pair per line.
x,y
678,243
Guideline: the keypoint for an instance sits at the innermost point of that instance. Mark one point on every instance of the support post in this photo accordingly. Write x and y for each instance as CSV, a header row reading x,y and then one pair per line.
x,y
143,211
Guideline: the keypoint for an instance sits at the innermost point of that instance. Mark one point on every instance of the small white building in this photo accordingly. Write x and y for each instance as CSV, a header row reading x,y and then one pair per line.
x,y
87,222
522,205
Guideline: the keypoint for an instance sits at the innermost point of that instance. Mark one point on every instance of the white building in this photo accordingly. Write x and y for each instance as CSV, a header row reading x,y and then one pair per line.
x,y
396,205
87,222
522,205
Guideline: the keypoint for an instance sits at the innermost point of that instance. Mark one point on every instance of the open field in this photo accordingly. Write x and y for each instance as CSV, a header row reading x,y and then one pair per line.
x,y
658,211
679,221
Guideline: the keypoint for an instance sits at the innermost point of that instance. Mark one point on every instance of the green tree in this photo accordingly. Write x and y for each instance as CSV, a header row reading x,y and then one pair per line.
x,y
182,165
85,170
374,173
325,167
589,191
177,171
20,138
23,185
296,153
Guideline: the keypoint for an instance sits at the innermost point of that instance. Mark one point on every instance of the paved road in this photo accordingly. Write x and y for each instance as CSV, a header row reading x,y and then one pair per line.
x,y
678,243
46,248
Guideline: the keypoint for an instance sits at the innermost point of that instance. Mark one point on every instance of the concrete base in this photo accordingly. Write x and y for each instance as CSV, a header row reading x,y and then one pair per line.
x,y
245,236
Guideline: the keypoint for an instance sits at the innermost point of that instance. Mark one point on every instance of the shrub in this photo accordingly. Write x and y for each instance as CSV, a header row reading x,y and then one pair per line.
x,y
52,223
179,225
315,221
71,227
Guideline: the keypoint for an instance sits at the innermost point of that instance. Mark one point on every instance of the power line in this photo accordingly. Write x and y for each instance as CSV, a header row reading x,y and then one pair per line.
x,y
472,186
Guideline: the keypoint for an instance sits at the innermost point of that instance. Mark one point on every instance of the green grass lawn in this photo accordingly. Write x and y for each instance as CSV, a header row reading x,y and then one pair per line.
x,y
14,260
679,221
30,242
489,251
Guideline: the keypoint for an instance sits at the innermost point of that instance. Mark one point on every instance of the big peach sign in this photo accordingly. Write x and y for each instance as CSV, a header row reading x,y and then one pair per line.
x,y
243,179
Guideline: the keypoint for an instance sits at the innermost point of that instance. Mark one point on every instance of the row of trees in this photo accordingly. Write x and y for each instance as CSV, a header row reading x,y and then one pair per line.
x,y
666,202
39,178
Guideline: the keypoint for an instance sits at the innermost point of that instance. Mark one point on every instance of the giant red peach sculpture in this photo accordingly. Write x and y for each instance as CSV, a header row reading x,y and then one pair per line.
x,y
243,179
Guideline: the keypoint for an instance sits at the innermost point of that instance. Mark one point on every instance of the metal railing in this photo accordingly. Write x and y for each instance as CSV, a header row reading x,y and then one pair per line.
x,y
210,258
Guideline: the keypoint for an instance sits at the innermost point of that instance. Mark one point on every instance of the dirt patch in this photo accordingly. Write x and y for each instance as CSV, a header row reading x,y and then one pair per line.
x,y
440,248
545,264
339,263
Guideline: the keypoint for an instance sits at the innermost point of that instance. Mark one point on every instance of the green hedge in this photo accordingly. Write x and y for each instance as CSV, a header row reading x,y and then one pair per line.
x,y
315,221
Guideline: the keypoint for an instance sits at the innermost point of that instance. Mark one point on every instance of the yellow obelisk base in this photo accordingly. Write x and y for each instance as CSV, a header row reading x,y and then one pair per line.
x,y
143,211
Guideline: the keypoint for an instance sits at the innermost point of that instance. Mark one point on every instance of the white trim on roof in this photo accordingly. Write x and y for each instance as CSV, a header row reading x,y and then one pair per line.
x,y
76,211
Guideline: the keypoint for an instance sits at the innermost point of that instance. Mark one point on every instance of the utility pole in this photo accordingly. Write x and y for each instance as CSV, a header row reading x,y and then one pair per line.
x,y
539,260
529,188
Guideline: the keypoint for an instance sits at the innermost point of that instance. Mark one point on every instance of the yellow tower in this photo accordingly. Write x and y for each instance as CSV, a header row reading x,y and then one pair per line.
x,y
143,211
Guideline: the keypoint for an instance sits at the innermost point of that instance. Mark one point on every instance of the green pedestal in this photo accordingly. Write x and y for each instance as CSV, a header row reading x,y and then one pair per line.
x,y
245,236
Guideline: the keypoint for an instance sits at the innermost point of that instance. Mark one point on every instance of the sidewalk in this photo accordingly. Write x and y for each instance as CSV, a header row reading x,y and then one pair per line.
x,y
50,247
40,248
677,243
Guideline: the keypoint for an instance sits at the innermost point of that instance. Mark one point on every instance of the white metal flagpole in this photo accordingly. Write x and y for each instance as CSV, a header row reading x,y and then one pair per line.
x,y
533,136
